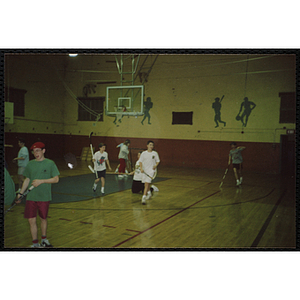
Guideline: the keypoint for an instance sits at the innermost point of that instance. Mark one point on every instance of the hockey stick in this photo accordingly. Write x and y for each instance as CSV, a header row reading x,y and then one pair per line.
x,y
20,199
109,173
92,151
223,178
154,175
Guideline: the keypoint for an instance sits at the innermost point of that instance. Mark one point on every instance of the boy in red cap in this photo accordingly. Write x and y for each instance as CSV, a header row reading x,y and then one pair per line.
x,y
40,173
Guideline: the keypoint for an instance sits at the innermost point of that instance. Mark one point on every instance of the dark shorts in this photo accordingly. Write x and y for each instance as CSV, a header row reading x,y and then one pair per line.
x,y
237,166
137,186
101,173
32,207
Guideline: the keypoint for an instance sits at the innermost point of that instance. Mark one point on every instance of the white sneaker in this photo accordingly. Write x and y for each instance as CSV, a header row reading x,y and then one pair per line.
x,y
155,189
241,179
148,195
35,246
102,190
238,183
94,188
144,200
120,176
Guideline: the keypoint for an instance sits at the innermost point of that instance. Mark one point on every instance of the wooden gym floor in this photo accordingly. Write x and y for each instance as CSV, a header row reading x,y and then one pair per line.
x,y
190,211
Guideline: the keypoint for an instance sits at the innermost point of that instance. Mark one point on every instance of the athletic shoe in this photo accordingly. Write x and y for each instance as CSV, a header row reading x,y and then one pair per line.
x,y
148,195
144,200
120,176
35,246
241,179
102,190
238,183
155,189
45,243
94,189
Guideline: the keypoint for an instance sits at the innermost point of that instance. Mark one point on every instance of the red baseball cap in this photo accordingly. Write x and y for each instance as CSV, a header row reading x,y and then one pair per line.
x,y
37,145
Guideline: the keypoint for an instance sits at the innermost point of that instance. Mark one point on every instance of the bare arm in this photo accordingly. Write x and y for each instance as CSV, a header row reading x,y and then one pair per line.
x,y
107,161
19,158
23,189
156,165
229,161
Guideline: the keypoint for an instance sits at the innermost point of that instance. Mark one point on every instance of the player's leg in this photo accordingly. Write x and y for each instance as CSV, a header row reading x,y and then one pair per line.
x,y
34,232
122,167
240,173
96,181
20,177
102,184
235,170
43,213
30,213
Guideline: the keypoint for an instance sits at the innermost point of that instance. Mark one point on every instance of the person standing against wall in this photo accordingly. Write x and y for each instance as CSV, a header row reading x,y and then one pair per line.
x,y
22,159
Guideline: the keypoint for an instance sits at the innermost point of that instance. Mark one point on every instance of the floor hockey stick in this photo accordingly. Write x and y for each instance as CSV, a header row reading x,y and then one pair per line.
x,y
20,199
223,178
154,175
92,151
93,171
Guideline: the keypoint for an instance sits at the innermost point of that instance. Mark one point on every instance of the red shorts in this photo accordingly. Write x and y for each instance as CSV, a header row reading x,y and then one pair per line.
x,y
32,207
122,165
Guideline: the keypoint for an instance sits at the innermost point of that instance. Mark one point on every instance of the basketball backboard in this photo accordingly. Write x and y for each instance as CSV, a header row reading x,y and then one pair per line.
x,y
125,99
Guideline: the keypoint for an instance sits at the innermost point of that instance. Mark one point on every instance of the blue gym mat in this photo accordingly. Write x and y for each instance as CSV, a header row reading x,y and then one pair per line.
x,y
78,188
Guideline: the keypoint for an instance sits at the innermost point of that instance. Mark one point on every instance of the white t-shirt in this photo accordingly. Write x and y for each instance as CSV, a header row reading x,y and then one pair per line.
x,y
149,160
137,172
100,158
123,152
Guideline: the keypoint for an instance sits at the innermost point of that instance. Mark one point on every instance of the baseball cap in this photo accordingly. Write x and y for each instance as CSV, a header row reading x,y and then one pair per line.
x,y
37,145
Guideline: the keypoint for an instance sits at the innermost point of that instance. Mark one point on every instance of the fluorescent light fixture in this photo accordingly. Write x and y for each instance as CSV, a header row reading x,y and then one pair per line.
x,y
73,54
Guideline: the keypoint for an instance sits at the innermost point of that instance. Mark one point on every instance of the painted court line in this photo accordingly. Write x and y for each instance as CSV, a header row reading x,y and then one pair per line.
x,y
267,222
184,209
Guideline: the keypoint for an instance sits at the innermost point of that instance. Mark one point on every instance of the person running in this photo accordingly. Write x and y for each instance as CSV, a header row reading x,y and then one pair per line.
x,y
100,160
235,156
22,159
123,157
40,172
149,161
137,184
117,169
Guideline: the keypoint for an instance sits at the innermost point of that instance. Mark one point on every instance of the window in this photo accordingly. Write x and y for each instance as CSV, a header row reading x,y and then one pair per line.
x,y
17,96
287,107
95,104
182,118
